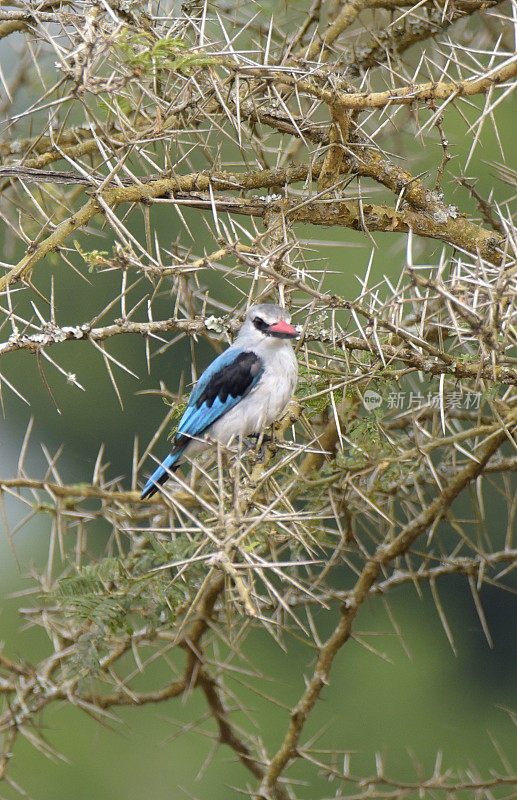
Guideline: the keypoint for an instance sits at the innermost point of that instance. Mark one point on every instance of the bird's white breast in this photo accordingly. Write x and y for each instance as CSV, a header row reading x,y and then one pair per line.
x,y
265,403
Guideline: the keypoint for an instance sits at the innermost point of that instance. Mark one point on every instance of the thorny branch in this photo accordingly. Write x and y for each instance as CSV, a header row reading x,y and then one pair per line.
x,y
196,148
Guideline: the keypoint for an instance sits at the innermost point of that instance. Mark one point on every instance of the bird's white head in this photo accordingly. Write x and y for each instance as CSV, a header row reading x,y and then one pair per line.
x,y
266,323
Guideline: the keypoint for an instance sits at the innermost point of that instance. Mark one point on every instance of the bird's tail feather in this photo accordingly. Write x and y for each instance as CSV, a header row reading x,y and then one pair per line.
x,y
161,474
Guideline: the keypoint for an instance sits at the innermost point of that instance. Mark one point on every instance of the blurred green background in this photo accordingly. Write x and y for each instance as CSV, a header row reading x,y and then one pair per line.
x,y
407,708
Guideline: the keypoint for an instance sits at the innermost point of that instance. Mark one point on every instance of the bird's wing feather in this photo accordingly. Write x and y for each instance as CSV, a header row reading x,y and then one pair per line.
x,y
222,385
223,360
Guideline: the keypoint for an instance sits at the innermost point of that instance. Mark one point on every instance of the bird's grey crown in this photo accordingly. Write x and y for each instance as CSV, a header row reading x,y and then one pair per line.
x,y
269,312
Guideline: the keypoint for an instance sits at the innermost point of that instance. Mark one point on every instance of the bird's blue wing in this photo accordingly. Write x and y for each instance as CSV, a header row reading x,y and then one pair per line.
x,y
223,360
222,385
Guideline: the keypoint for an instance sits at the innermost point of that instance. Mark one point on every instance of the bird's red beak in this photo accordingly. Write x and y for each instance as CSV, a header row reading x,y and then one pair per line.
x,y
282,329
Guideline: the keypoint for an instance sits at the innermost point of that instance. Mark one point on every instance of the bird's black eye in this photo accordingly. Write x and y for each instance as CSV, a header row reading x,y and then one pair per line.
x,y
260,325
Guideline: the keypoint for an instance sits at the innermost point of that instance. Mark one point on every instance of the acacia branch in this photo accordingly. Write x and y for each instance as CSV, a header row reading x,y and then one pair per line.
x,y
227,732
374,784
432,361
344,96
474,567
349,12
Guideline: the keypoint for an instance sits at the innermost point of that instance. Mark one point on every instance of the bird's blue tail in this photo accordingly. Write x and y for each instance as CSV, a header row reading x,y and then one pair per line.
x,y
161,474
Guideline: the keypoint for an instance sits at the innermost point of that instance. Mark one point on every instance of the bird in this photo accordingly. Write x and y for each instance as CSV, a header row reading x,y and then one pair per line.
x,y
243,391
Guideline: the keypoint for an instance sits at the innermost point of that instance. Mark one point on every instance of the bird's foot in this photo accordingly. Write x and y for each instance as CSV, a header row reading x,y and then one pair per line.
x,y
258,447
255,439
253,452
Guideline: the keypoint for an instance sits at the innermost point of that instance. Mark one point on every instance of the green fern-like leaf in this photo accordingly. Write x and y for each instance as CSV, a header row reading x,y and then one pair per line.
x,y
140,51
118,594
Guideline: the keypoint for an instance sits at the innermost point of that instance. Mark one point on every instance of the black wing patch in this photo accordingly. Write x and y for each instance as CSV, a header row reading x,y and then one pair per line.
x,y
236,379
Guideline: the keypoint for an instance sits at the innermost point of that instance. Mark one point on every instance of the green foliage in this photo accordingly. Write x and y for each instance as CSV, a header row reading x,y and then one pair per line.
x,y
491,392
316,382
145,53
116,595
370,444
178,413
95,259
95,594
